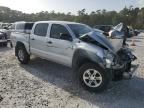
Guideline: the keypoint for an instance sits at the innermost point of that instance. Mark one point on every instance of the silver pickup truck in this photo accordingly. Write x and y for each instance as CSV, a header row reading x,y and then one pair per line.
x,y
96,59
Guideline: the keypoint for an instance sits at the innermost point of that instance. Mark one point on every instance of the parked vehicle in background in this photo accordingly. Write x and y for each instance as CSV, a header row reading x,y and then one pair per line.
x,y
3,39
118,31
136,32
105,28
89,53
5,28
102,32
131,31
141,31
98,30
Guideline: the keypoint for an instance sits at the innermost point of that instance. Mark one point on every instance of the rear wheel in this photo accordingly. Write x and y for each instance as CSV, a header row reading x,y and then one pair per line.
x,y
93,77
22,55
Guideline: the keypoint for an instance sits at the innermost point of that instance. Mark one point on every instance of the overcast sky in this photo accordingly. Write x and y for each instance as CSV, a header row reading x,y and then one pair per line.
x,y
33,6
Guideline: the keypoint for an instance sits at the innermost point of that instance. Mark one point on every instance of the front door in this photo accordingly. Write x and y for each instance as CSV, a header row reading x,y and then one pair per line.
x,y
61,49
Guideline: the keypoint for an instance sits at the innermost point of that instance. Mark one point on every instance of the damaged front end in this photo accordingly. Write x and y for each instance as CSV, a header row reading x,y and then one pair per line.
x,y
122,64
117,58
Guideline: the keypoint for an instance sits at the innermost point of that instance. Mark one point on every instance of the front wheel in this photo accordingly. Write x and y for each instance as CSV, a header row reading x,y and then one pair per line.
x,y
93,77
22,55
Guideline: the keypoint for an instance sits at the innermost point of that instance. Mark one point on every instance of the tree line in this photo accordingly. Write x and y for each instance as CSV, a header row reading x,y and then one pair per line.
x,y
131,16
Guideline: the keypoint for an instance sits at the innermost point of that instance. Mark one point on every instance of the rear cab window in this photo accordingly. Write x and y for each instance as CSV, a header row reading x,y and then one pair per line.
x,y
28,26
22,26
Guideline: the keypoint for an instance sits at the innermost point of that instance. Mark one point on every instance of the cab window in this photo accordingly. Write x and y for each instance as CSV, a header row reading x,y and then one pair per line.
x,y
57,30
41,29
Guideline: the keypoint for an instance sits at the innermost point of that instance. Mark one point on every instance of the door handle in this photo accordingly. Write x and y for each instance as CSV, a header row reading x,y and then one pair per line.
x,y
49,42
32,39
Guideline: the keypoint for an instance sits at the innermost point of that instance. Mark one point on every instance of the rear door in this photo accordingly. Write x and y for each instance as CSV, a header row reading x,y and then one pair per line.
x,y
38,40
61,50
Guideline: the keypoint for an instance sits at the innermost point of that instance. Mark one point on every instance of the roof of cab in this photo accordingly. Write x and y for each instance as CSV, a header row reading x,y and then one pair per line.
x,y
59,22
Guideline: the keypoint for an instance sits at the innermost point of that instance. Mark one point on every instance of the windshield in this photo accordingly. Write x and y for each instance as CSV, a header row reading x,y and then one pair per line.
x,y
79,29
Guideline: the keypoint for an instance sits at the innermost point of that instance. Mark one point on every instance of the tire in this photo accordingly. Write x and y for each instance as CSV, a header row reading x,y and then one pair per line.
x,y
22,55
101,77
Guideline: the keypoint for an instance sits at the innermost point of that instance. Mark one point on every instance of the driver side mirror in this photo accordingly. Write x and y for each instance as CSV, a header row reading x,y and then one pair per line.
x,y
65,37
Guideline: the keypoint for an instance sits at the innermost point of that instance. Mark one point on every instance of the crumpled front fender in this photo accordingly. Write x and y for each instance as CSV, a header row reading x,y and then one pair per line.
x,y
81,56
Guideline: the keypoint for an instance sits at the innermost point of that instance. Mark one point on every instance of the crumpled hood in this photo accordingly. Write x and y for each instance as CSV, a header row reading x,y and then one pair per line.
x,y
118,27
117,43
100,38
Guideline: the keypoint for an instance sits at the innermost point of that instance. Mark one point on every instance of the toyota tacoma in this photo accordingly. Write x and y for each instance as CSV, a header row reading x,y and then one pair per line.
x,y
95,58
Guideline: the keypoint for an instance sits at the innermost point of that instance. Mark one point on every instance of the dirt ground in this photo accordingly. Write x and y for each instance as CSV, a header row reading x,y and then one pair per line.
x,y
44,84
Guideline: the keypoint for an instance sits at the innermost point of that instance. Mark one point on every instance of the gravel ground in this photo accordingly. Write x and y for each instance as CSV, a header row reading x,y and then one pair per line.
x,y
43,84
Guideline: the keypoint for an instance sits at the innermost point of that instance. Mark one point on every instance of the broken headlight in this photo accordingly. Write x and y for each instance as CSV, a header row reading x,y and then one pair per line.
x,y
109,57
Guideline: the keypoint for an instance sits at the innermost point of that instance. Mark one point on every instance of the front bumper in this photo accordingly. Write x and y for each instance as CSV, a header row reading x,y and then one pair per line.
x,y
120,73
122,66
